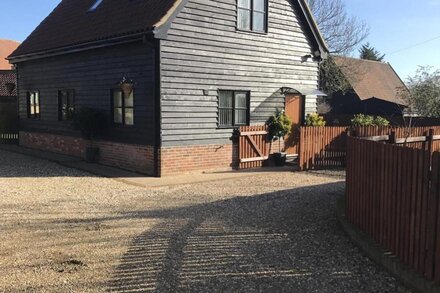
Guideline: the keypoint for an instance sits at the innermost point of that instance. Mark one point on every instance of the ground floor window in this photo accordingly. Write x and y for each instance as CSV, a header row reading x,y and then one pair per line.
x,y
233,108
66,105
123,108
33,104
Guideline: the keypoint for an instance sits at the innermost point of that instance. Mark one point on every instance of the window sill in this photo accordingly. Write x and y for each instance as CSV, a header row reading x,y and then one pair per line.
x,y
230,127
251,31
122,126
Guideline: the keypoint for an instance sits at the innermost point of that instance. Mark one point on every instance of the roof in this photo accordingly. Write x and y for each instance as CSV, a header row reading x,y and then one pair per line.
x,y
372,79
72,24
6,48
7,76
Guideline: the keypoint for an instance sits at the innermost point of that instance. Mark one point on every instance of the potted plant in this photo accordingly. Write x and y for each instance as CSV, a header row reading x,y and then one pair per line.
x,y
279,125
126,86
91,123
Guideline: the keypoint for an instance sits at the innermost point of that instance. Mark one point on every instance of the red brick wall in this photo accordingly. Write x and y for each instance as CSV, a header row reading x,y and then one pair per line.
x,y
138,158
184,159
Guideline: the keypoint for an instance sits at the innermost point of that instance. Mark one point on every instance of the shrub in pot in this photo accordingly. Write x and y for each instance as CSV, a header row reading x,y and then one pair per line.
x,y
91,123
279,125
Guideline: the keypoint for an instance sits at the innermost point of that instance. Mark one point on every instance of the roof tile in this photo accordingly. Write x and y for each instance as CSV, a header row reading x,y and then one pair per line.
x,y
71,23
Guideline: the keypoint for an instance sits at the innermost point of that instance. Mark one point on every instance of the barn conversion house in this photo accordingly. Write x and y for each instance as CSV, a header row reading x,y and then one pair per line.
x,y
200,69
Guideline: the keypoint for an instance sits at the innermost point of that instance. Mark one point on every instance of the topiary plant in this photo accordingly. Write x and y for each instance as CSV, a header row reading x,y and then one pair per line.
x,y
279,125
90,122
314,119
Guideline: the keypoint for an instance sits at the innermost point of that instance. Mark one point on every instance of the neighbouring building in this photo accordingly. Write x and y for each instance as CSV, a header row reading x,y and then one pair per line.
x,y
201,68
8,90
376,89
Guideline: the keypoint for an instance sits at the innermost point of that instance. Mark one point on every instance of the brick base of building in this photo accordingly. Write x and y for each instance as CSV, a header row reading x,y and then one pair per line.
x,y
139,158
186,159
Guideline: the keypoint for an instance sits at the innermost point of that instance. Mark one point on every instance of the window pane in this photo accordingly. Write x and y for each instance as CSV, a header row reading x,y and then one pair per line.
x,y
258,22
225,99
244,3
117,99
117,116
37,102
31,103
129,116
244,19
260,5
240,100
225,117
240,116
129,100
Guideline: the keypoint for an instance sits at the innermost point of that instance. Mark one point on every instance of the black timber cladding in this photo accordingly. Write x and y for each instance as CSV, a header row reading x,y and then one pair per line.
x,y
205,52
92,75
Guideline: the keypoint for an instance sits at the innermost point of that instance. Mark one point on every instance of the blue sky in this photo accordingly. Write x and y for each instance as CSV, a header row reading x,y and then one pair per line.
x,y
399,24
394,25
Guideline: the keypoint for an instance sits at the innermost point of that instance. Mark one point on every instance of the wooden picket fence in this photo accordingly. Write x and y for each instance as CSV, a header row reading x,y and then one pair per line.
x,y
8,138
393,194
324,147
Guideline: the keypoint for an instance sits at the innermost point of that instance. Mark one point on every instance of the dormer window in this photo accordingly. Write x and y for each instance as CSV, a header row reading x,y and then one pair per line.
x,y
95,5
252,15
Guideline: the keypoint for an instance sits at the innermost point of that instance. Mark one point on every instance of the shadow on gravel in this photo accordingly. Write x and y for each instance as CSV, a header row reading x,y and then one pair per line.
x,y
286,241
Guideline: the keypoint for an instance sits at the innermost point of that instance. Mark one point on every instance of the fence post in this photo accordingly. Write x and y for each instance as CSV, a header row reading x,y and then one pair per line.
x,y
430,139
392,138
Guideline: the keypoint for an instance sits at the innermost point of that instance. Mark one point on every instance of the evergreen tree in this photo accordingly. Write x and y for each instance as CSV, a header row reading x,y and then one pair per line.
x,y
368,52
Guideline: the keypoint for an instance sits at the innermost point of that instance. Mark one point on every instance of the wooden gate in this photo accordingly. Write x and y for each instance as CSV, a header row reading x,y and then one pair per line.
x,y
8,120
254,146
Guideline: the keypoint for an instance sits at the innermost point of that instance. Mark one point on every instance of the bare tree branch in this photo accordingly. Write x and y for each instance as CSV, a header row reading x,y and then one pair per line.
x,y
342,32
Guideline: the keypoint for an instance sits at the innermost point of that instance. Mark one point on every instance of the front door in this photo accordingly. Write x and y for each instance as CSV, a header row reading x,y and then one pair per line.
x,y
294,109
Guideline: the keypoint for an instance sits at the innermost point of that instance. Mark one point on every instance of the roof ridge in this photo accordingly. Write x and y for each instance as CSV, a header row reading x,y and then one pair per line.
x,y
9,40
360,59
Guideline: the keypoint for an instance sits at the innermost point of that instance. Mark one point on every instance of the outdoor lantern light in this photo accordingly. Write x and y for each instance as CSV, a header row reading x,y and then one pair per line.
x,y
126,86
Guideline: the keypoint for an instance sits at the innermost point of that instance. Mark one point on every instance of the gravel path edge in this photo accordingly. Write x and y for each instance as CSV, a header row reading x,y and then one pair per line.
x,y
405,275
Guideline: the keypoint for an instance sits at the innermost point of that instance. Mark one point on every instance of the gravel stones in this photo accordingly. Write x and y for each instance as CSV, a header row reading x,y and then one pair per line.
x,y
63,230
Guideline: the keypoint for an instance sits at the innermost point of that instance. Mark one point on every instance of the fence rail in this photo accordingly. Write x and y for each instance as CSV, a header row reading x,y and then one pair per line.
x,y
322,147
392,194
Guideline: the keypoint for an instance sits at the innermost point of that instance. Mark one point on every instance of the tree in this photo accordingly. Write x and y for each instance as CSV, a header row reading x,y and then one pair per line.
x,y
342,32
368,52
332,79
424,92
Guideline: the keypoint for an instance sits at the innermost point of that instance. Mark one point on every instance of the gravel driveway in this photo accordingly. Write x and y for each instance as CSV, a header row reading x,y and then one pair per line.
x,y
63,230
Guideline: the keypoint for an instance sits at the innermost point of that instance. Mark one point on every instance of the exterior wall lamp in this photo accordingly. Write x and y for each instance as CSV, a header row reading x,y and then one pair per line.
x,y
126,86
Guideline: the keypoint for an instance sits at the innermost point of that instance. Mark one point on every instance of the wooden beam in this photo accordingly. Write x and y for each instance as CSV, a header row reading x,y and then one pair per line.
x,y
254,145
377,138
247,133
247,160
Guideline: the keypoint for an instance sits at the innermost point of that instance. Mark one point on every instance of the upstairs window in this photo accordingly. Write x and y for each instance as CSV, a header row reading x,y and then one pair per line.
x,y
123,108
233,108
95,5
252,15
33,104
65,105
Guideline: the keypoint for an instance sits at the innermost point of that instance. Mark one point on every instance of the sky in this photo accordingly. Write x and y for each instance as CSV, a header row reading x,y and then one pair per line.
x,y
397,27
400,29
